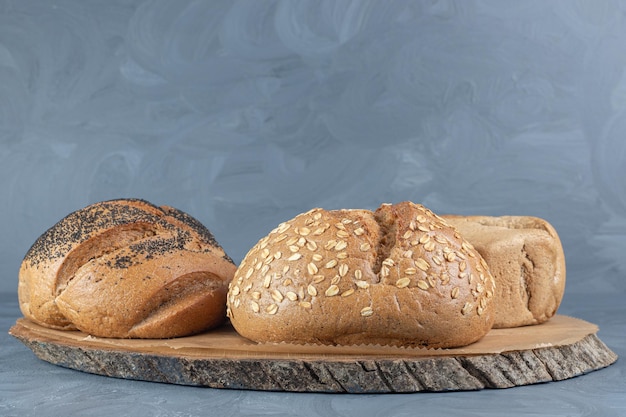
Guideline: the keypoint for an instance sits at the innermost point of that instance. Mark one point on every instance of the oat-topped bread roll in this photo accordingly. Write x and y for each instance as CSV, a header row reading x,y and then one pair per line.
x,y
397,276
526,258
126,268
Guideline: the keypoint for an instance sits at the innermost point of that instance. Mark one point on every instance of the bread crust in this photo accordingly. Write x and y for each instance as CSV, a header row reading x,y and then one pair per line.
x,y
397,276
527,260
126,268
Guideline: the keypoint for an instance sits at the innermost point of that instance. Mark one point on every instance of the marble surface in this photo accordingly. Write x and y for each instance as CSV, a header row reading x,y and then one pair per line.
x,y
246,113
31,387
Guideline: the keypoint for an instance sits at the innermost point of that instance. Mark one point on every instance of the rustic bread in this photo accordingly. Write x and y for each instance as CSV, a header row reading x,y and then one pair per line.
x,y
526,258
126,268
397,276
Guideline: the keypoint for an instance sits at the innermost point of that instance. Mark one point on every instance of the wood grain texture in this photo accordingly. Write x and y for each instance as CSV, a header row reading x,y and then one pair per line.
x,y
244,365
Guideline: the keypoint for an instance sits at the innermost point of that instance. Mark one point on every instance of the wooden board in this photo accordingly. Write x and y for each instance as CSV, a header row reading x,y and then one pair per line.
x,y
561,348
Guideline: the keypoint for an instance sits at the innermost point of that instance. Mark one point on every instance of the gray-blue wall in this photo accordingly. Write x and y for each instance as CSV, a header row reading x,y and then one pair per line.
x,y
246,113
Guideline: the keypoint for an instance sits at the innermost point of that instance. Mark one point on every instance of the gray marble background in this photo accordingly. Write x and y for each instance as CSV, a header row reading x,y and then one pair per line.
x,y
245,113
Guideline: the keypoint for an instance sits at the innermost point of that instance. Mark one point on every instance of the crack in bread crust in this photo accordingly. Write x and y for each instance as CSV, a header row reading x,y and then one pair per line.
x,y
101,245
526,268
388,230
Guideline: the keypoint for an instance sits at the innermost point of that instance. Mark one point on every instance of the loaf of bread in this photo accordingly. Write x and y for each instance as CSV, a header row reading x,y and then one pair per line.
x,y
126,268
526,258
398,276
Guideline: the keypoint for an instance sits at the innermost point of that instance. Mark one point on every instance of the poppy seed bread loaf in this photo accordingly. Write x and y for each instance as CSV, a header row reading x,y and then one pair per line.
x,y
398,276
126,268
